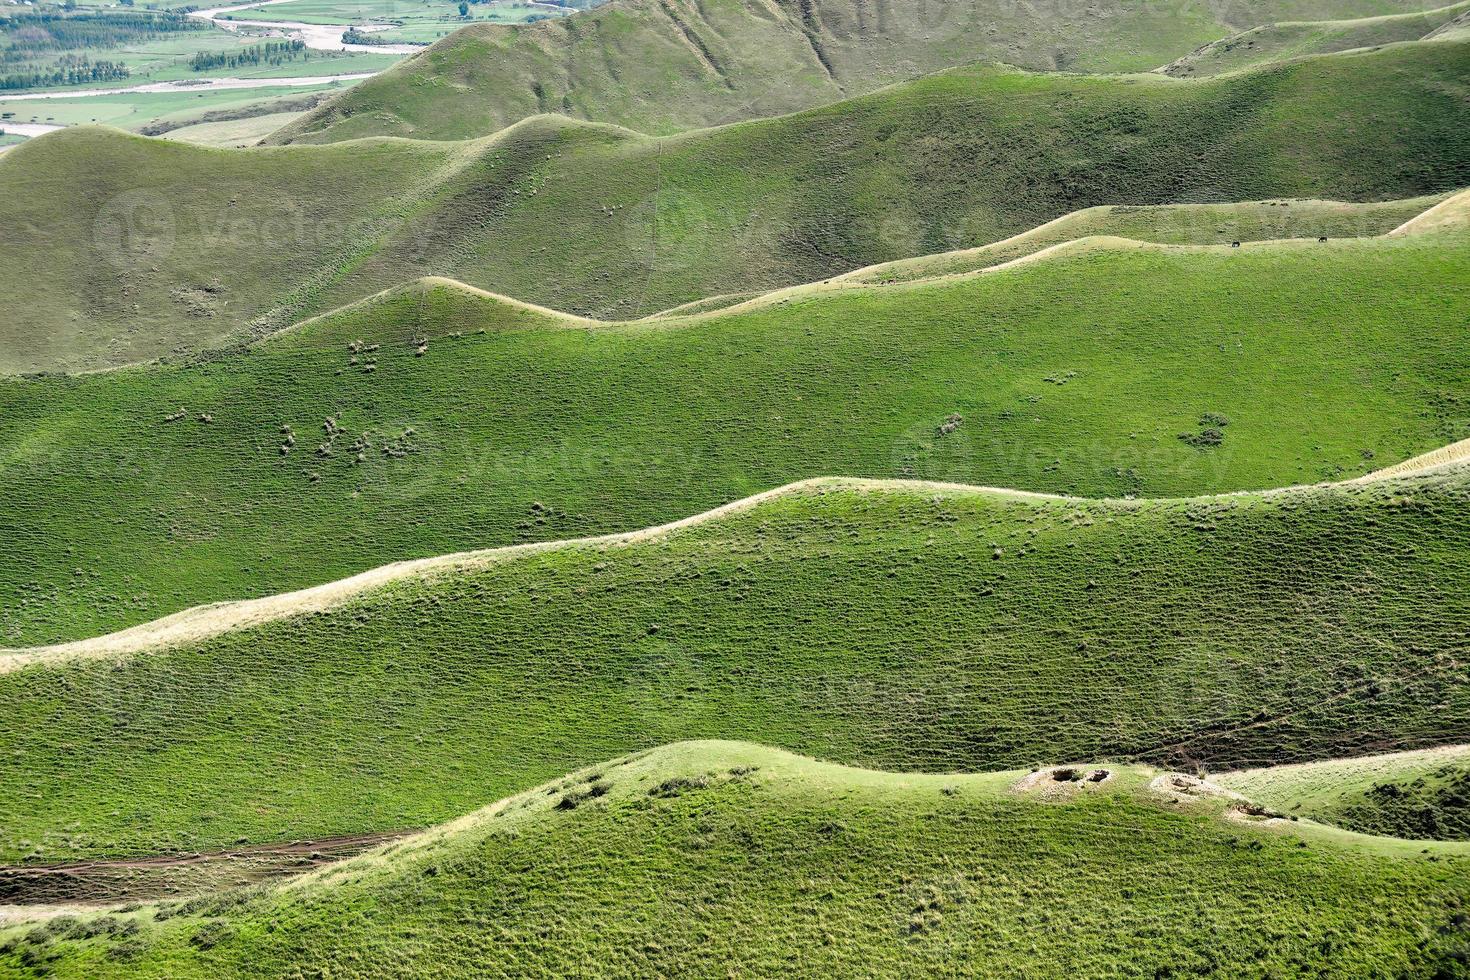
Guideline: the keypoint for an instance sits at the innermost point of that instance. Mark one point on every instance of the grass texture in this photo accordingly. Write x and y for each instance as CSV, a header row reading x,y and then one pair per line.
x,y
701,859
124,249
901,626
338,446
654,436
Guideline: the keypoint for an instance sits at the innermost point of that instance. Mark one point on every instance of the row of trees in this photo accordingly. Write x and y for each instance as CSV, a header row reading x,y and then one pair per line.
x,y
269,53
29,33
69,70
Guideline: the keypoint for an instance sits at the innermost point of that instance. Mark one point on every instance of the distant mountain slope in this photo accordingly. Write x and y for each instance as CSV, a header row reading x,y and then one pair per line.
x,y
905,625
1275,42
660,66
118,248
710,858
167,486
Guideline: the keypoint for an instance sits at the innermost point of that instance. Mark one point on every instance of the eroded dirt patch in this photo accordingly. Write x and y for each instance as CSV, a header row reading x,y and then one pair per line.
x,y
174,875
1061,782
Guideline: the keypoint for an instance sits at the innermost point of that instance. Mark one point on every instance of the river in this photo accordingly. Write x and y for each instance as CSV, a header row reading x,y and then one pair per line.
x,y
190,85
321,37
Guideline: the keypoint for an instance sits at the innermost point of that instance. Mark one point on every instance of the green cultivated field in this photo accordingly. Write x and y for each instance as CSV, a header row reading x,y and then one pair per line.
x,y
124,249
137,110
230,132
1326,360
706,858
167,59
416,21
670,65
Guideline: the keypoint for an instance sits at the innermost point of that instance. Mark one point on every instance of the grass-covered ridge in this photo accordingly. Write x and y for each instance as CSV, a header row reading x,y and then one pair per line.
x,y
661,66
1296,39
309,457
340,446
1419,795
914,627
702,858
1167,224
124,248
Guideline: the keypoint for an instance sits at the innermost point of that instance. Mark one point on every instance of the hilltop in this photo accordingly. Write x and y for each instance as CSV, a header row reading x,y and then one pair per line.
x,y
702,858
120,249
672,65
899,625
310,456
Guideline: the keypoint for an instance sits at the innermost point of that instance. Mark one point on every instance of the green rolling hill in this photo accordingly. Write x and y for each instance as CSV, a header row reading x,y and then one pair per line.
x,y
751,488
120,249
706,858
670,65
896,625
434,418
1296,39
1167,224
1419,795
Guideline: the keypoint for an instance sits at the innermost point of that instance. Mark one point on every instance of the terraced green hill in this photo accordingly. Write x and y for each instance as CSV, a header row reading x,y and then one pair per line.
x,y
376,434
1424,794
119,249
1295,39
906,626
704,858
661,67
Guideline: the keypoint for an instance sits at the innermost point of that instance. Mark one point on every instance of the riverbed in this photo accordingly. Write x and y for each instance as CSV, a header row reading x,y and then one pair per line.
x,y
190,85
319,37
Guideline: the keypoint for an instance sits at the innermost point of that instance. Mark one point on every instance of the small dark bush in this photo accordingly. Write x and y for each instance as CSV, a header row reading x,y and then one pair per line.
x,y
210,935
678,786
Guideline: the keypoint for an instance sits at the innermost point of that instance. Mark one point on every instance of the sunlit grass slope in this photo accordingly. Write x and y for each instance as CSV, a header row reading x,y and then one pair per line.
x,y
338,446
1424,794
118,248
1177,224
901,626
706,858
1295,39
671,65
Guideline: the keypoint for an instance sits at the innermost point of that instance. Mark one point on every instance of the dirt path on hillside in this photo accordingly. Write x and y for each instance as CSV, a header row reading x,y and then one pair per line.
x,y
175,875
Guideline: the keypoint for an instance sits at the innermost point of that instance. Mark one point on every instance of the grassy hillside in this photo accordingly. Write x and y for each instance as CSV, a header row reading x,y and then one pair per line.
x,y
119,248
1295,39
670,65
339,446
1424,794
706,858
914,627
1169,224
